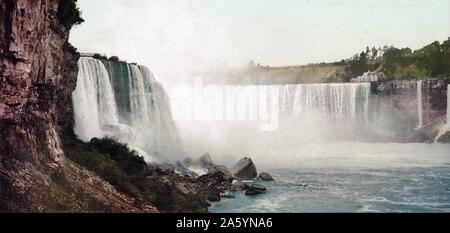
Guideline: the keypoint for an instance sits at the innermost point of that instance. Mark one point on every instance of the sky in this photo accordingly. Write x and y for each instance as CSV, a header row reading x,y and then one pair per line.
x,y
176,37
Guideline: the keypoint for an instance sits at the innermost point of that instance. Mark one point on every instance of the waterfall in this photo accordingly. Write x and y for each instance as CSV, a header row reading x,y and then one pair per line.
x,y
264,115
336,100
124,101
93,99
139,105
446,127
345,102
419,105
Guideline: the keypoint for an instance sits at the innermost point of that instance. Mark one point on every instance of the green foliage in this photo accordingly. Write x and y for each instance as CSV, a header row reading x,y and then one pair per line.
x,y
101,163
100,57
114,59
129,173
432,60
129,161
69,14
166,197
358,65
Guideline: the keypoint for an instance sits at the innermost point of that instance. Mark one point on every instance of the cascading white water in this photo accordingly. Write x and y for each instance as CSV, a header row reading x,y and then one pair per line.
x,y
93,99
125,101
349,100
139,105
446,127
337,100
325,111
419,105
260,119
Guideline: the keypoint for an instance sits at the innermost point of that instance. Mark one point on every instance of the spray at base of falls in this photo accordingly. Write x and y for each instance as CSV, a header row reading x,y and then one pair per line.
x,y
445,128
268,104
260,118
124,101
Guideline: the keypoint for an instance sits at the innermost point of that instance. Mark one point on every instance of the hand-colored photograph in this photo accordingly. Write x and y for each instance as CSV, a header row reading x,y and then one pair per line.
x,y
224,106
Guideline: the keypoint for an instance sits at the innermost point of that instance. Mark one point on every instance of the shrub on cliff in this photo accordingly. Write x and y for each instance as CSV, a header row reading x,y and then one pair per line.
x,y
114,59
432,60
69,14
87,156
100,57
128,160
124,169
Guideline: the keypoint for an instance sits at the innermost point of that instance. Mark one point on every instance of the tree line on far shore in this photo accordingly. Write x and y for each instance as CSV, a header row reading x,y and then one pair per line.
x,y
433,60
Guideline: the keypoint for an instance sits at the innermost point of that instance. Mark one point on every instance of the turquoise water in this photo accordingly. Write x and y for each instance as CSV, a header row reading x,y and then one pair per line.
x,y
417,180
393,190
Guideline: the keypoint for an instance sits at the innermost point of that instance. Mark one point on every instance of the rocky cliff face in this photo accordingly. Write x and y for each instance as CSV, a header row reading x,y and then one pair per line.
x,y
38,70
395,105
36,66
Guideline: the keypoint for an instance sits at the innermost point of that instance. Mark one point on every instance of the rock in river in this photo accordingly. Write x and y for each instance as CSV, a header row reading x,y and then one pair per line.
x,y
217,179
255,189
245,169
265,176
238,185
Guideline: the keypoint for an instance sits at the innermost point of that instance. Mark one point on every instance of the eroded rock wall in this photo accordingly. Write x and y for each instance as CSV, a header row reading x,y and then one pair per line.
x,y
38,71
394,109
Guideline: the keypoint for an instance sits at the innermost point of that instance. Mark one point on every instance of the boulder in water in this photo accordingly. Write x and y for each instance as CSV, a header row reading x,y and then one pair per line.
x,y
238,185
255,189
445,138
213,196
245,169
265,176
206,161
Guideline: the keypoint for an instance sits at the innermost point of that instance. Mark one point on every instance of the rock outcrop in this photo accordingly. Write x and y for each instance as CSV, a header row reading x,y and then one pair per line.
x,y
222,169
184,171
265,176
245,169
445,138
206,161
396,106
218,180
38,70
237,186
254,190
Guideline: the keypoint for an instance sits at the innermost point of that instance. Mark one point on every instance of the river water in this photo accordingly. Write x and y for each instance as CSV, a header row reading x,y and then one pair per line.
x,y
352,177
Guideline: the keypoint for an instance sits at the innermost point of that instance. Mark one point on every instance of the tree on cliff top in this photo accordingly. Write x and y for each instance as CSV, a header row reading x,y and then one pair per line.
x,y
69,14
432,60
